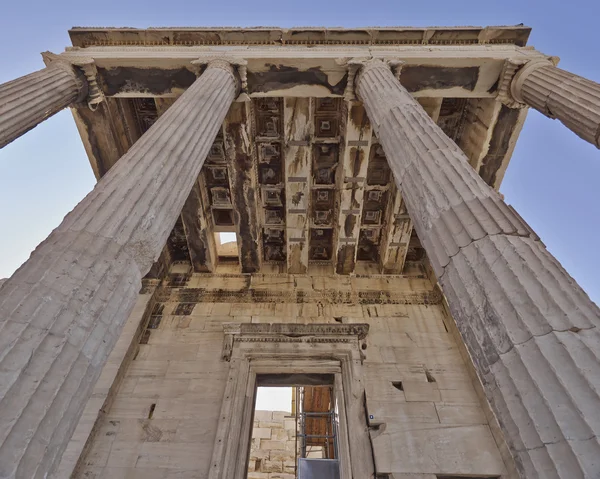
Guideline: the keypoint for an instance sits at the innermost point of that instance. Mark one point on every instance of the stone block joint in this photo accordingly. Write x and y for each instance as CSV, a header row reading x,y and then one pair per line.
x,y
99,254
529,328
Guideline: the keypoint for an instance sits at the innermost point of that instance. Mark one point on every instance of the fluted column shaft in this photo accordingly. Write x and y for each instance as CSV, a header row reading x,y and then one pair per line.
x,y
556,93
29,100
531,331
63,310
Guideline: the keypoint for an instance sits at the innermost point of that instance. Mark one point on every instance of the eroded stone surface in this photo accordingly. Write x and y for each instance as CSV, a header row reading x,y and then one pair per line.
x,y
562,95
438,417
63,310
29,100
529,328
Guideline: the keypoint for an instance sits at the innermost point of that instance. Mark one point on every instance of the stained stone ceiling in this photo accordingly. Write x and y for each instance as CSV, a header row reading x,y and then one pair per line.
x,y
301,180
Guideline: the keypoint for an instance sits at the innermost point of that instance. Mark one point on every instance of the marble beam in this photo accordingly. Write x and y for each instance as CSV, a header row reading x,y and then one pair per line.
x,y
240,155
562,95
63,310
530,330
29,100
298,132
355,161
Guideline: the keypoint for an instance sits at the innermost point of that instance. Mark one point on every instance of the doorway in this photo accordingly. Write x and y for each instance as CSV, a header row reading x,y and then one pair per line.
x,y
295,431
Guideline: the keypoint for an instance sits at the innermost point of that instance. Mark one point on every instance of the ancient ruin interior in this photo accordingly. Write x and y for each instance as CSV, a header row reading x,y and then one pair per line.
x,y
312,208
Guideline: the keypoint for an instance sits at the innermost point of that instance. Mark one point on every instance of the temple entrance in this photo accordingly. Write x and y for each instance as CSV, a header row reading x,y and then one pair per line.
x,y
295,428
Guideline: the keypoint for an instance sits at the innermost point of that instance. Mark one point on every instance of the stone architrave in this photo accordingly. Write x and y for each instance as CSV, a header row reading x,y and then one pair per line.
x,y
63,310
29,100
562,95
531,331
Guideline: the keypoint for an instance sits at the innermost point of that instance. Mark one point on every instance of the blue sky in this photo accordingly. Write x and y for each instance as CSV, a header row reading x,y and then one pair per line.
x,y
553,179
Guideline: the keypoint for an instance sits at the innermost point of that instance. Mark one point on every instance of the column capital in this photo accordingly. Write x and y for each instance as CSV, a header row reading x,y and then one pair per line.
x,y
521,75
514,72
95,95
31,99
358,65
53,60
559,94
235,66
85,71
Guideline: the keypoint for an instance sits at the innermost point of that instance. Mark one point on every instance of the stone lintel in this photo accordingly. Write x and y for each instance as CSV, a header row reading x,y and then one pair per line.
x,y
468,71
241,156
355,160
298,131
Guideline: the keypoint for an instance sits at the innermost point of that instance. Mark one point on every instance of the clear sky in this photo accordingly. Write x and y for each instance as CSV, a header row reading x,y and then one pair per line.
x,y
553,179
273,399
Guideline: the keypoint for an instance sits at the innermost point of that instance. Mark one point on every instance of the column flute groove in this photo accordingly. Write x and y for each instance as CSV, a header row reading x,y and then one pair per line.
x,y
562,95
29,100
62,311
531,331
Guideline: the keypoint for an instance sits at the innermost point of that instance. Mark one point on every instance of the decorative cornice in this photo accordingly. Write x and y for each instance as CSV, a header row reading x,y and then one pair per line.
x,y
367,36
290,333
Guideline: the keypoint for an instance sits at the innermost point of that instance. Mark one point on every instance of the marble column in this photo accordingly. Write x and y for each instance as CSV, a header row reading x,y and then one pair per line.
x,y
559,94
29,100
63,310
530,330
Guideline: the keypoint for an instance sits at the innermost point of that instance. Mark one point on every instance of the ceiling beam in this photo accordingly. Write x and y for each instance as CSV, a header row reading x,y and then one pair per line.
x,y
103,133
397,234
432,106
199,233
163,104
481,115
504,137
488,137
240,154
355,159
297,154
396,238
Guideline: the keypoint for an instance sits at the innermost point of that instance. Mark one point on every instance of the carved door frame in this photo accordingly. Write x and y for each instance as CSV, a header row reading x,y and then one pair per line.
x,y
256,349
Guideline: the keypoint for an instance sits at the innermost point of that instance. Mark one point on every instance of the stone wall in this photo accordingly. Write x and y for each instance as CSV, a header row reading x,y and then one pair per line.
x,y
425,415
272,451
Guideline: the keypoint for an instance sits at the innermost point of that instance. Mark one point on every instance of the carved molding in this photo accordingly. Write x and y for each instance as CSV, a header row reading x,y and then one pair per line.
x,y
95,94
510,68
290,333
51,59
81,68
356,66
513,74
231,64
523,73
328,296
342,360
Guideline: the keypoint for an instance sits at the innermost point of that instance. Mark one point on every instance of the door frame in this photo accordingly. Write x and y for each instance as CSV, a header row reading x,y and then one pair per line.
x,y
284,348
